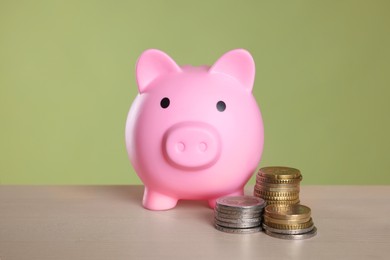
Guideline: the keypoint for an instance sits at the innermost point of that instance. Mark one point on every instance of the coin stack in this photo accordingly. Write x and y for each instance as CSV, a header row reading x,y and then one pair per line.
x,y
239,214
289,222
278,185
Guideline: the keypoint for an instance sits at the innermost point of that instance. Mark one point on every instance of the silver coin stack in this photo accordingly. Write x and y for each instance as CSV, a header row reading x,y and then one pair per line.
x,y
239,214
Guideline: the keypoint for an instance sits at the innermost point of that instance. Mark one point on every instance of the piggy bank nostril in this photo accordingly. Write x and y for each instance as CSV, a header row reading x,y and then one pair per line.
x,y
202,147
180,146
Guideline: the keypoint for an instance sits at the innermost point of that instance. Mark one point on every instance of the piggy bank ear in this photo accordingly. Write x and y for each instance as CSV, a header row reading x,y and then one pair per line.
x,y
152,64
238,64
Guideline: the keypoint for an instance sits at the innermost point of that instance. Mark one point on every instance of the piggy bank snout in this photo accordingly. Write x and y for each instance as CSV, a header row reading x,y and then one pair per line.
x,y
192,145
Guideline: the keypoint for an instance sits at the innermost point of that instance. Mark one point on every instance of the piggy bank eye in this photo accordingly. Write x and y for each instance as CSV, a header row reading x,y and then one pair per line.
x,y
165,102
221,106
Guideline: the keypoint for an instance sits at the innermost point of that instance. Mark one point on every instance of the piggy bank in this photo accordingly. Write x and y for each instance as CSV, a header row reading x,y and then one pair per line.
x,y
194,133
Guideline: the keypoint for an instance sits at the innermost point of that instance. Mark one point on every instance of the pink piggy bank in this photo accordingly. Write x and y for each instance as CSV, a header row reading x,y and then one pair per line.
x,y
194,133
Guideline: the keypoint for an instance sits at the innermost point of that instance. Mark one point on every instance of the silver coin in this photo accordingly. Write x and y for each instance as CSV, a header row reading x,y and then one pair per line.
x,y
254,210
288,231
238,230
238,220
244,210
309,234
238,208
236,211
240,202
237,225
240,216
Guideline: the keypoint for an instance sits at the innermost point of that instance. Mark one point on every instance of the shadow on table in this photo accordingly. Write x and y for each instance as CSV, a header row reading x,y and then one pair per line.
x,y
130,194
119,193
120,197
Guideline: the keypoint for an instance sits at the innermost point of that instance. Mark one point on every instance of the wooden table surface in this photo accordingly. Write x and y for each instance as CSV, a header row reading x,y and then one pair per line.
x,y
108,222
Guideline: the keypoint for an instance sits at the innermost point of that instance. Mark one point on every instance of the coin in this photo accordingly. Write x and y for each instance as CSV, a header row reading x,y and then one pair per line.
x,y
260,178
284,221
238,220
288,231
237,215
238,230
237,225
309,234
225,210
279,172
240,201
276,185
268,198
267,193
272,189
283,203
246,209
279,186
292,212
268,185
291,226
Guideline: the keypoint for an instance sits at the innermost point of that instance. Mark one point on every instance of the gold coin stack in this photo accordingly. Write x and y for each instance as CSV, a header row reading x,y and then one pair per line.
x,y
289,222
278,185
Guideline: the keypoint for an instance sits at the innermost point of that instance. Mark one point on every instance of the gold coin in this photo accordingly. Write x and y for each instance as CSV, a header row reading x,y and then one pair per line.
x,y
293,212
268,219
279,172
283,203
278,185
262,179
277,193
276,198
267,197
279,198
293,226
277,189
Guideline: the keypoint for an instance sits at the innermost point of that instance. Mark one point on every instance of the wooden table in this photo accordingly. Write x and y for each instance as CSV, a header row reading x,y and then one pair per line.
x,y
108,222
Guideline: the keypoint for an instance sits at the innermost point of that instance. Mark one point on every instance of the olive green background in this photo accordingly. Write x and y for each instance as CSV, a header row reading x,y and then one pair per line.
x,y
67,82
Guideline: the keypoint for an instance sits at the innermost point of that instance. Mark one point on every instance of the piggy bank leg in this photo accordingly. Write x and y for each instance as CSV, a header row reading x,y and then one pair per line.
x,y
156,201
239,192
